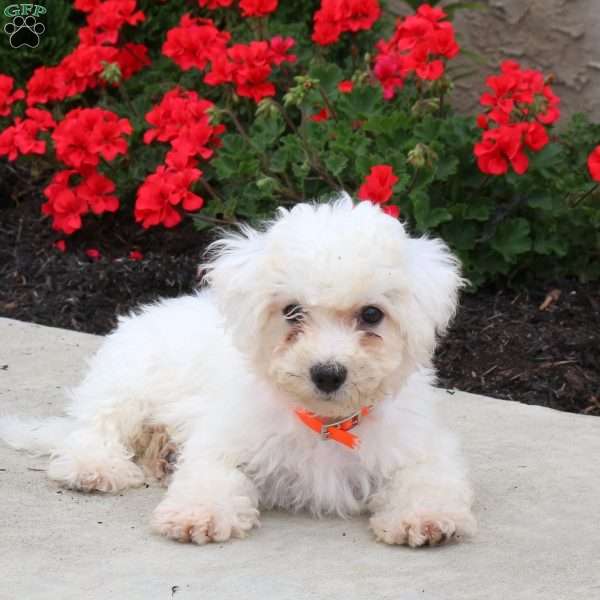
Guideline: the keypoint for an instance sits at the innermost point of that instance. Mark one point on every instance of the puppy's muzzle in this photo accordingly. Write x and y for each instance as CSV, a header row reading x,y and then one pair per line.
x,y
328,377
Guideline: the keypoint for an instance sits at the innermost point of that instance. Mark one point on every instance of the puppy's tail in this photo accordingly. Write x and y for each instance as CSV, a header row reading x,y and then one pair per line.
x,y
38,436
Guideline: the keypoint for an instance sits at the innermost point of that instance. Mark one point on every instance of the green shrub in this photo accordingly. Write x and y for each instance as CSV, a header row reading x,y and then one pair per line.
x,y
545,221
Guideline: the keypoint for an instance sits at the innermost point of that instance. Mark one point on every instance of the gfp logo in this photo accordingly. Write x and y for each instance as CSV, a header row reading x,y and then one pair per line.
x,y
24,29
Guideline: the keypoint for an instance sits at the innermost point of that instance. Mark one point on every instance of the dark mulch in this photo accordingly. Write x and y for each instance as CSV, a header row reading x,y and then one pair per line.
x,y
501,344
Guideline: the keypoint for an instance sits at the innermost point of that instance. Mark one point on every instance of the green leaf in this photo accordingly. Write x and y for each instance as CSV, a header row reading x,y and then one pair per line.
x,y
548,158
478,212
462,236
426,217
361,104
512,238
551,244
335,163
446,166
265,132
329,75
388,125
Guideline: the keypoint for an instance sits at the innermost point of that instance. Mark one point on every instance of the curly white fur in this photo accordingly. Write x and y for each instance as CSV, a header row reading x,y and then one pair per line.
x,y
224,370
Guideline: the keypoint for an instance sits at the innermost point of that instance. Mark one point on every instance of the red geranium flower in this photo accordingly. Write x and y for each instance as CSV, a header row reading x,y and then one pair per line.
x,y
182,118
593,163
67,204
64,205
93,253
8,96
21,138
162,191
86,134
87,5
195,42
41,87
136,255
345,86
322,115
335,17
213,4
258,8
109,16
131,59
392,210
500,148
248,67
378,185
420,44
279,49
97,191
519,105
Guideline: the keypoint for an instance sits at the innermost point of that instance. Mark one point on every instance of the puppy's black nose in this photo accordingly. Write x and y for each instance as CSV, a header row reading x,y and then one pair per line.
x,y
328,377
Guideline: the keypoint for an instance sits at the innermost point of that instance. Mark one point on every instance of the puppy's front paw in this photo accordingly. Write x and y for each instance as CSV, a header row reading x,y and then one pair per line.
x,y
421,529
205,522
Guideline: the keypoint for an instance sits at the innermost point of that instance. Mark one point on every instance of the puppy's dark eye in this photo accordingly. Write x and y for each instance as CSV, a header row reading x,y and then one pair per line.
x,y
370,315
293,312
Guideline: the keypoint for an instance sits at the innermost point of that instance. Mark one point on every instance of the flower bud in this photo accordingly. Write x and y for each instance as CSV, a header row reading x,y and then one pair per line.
x,y
425,106
266,108
111,73
420,156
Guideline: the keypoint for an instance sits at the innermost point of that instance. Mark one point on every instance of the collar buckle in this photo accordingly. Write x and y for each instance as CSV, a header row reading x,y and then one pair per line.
x,y
345,424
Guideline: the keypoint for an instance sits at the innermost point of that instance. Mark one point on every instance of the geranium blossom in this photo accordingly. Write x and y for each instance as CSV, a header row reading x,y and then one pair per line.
x,y
64,205
108,17
8,96
248,67
131,59
519,106
194,42
182,118
22,139
93,253
213,4
135,255
593,163
500,148
87,134
68,203
162,192
378,185
335,17
98,192
257,8
516,93
420,44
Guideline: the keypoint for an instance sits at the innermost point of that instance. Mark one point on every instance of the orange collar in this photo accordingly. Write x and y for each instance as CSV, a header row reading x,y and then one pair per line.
x,y
339,431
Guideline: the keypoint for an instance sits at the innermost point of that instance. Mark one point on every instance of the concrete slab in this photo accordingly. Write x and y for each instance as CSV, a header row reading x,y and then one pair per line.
x,y
536,472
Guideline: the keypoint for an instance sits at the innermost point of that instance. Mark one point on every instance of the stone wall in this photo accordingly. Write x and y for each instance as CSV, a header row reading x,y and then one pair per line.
x,y
561,37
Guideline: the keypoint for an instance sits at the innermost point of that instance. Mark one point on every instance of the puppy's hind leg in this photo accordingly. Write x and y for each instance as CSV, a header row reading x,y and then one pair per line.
x,y
94,457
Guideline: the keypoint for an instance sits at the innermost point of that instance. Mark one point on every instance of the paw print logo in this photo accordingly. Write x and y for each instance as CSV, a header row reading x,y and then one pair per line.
x,y
24,31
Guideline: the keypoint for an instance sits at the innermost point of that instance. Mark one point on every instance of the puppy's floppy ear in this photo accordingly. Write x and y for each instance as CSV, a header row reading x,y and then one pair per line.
x,y
232,272
435,280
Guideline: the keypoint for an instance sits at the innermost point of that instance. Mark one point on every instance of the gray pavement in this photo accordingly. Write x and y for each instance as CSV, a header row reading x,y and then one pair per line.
x,y
536,474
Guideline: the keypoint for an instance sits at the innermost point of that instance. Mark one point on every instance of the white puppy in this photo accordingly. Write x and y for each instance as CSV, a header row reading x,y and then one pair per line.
x,y
329,314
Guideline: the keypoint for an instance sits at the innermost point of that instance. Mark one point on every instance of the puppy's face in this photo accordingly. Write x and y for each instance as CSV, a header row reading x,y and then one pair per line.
x,y
333,304
331,360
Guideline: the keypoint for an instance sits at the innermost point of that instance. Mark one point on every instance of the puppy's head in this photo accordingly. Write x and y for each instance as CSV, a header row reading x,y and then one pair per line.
x,y
334,304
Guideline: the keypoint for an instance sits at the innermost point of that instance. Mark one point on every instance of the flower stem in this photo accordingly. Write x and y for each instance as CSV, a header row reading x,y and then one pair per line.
x,y
585,195
328,104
